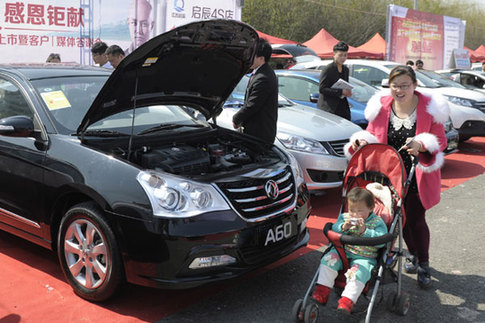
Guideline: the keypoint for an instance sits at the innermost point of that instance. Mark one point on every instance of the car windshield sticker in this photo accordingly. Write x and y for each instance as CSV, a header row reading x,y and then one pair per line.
x,y
55,100
149,61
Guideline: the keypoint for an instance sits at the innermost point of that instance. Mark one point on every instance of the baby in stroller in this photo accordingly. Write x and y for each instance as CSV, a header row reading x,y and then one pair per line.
x,y
360,220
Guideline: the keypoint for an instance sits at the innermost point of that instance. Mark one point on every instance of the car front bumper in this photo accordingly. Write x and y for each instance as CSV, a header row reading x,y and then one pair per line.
x,y
321,171
162,257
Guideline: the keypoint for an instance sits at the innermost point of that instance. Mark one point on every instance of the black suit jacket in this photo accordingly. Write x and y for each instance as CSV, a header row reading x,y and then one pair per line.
x,y
259,113
330,99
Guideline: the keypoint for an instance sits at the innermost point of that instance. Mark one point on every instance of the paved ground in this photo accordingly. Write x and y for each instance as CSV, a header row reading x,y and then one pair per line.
x,y
457,260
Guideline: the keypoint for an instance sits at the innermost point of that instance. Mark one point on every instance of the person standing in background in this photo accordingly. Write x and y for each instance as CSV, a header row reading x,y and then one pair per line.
x,y
259,113
98,51
335,100
115,55
419,64
53,58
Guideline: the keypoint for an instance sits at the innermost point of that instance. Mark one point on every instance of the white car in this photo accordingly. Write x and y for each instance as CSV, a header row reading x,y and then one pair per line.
x,y
466,108
474,80
314,137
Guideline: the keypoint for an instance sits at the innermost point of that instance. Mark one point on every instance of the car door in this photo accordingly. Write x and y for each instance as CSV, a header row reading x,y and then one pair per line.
x,y
298,89
368,74
21,172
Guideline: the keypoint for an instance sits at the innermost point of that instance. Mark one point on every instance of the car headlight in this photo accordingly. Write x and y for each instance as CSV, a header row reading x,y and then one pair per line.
x,y
460,101
172,196
299,143
297,171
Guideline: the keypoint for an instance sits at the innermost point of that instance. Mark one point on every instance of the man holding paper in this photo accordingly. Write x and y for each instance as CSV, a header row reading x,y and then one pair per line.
x,y
334,86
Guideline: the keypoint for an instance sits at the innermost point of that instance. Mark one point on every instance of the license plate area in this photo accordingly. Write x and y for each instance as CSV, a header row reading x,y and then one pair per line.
x,y
278,231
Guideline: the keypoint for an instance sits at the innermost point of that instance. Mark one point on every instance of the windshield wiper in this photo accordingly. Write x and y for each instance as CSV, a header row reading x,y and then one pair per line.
x,y
230,105
169,126
104,133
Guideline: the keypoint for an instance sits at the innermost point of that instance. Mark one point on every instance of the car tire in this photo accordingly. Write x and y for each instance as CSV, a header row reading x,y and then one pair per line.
x,y
89,254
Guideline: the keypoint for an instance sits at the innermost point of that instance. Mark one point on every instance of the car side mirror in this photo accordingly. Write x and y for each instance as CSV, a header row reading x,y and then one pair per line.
x,y
16,126
314,97
385,83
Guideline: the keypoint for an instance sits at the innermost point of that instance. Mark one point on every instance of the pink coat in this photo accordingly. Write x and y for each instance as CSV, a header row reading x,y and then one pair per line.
x,y
431,113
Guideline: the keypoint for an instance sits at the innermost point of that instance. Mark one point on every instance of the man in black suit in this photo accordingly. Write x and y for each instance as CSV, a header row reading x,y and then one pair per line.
x,y
259,113
335,100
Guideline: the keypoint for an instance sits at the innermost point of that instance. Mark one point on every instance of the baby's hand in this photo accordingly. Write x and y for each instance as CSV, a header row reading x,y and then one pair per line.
x,y
346,226
361,225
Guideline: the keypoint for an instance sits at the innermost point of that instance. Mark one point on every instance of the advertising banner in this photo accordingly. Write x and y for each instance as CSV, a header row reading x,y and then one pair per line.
x,y
416,35
30,30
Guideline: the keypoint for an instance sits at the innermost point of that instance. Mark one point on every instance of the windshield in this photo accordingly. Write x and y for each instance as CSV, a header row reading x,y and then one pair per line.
x,y
361,92
68,100
441,79
161,116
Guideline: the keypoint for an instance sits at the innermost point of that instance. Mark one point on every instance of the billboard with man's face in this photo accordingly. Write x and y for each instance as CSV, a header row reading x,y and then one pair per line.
x,y
30,30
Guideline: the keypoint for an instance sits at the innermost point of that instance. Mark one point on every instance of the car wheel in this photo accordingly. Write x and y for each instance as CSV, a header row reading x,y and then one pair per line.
x,y
89,253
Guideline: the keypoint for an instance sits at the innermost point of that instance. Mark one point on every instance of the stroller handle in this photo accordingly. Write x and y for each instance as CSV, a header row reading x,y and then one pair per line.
x,y
352,240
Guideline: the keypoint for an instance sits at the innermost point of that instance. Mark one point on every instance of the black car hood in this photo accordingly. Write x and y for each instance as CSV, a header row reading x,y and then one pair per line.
x,y
197,64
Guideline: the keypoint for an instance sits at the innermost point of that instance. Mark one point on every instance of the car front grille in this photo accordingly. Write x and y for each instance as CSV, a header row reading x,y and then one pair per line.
x,y
480,106
250,199
335,147
325,176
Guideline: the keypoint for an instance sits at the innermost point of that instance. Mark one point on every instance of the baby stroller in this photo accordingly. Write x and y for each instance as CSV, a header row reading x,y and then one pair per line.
x,y
373,163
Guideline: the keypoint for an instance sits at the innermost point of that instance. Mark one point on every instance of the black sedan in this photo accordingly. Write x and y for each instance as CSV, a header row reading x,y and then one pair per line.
x,y
113,172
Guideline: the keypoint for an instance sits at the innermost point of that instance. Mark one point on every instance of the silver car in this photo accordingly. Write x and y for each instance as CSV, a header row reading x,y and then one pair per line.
x,y
314,137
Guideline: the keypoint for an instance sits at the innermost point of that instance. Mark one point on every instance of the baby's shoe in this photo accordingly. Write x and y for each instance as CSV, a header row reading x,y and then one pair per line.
x,y
321,294
345,305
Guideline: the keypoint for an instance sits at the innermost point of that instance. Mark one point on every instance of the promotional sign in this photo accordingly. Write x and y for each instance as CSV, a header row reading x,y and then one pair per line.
x,y
460,59
416,35
30,30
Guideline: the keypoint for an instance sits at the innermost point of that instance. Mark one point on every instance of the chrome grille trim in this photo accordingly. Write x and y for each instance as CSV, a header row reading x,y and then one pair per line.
x,y
260,198
255,188
247,196
259,208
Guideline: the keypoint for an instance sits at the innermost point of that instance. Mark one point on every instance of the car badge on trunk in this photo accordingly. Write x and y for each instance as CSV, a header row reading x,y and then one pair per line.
x,y
271,189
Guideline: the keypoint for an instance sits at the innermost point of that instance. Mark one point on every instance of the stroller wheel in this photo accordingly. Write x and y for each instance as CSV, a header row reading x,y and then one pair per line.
x,y
399,304
311,313
296,312
402,304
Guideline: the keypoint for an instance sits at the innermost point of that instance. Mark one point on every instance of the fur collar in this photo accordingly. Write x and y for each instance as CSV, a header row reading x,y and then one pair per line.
x,y
437,105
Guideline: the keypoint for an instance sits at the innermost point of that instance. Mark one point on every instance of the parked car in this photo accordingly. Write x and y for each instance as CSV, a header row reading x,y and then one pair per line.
x,y
302,86
113,174
286,55
465,105
314,137
473,80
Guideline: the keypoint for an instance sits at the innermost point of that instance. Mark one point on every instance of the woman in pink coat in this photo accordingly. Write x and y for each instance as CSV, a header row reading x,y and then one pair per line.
x,y
395,118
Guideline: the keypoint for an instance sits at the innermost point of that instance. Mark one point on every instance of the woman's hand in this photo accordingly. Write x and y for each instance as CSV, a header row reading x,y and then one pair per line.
x,y
413,147
358,143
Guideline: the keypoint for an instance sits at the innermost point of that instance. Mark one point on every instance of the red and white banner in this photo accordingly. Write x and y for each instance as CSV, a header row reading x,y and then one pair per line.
x,y
416,35
32,29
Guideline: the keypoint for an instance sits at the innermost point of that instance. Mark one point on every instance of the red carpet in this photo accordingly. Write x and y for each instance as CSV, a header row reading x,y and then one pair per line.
x,y
33,289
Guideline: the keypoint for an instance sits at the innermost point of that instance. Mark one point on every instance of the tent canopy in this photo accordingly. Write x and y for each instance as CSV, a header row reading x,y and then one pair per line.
x,y
375,46
275,40
322,43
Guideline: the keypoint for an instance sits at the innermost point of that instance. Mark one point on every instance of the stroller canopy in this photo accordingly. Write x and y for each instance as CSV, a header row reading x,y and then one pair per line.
x,y
378,159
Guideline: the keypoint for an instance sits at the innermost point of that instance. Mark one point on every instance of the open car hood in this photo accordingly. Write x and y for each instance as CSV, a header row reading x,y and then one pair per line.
x,y
197,64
